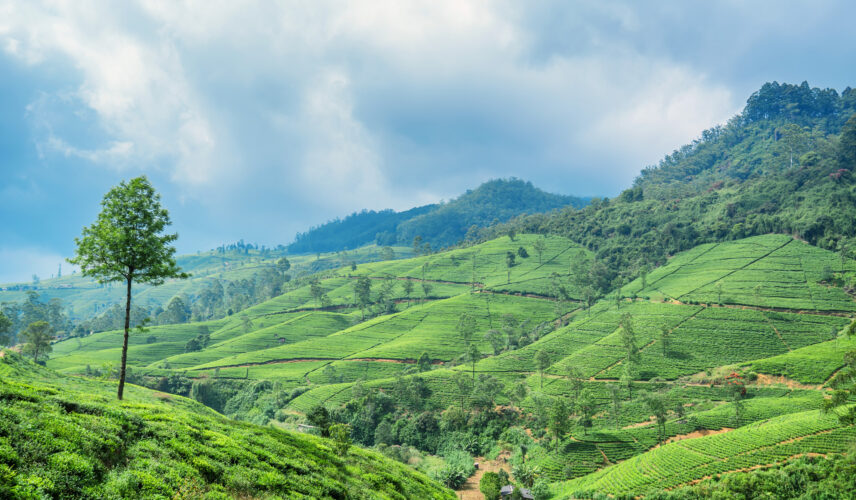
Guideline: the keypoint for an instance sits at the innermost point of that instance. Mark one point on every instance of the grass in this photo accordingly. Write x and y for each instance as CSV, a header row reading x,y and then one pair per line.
x,y
66,437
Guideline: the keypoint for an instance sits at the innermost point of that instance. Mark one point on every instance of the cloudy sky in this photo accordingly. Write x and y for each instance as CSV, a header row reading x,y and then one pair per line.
x,y
256,120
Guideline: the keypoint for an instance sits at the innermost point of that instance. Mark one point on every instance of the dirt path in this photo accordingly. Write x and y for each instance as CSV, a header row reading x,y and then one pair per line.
x,y
840,314
470,490
696,434
406,361
781,380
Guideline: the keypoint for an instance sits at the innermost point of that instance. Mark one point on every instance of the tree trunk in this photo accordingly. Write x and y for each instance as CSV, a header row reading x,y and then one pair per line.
x,y
125,342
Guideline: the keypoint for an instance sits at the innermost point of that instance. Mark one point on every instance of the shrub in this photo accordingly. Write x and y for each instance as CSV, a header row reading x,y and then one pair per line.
x,y
489,486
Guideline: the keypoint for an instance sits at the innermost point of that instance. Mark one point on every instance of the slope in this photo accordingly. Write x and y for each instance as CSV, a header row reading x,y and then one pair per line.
x,y
438,225
67,437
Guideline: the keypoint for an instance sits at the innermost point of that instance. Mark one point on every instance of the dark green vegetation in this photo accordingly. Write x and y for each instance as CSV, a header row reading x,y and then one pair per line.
x,y
66,437
439,225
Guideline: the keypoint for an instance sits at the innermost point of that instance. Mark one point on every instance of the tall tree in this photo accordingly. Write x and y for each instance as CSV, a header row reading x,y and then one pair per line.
x,y
657,404
424,362
558,422
363,292
37,339
586,406
426,290
496,340
664,339
127,243
407,287
463,385
628,338
542,361
794,141
473,355
5,328
539,246
316,290
519,393
467,327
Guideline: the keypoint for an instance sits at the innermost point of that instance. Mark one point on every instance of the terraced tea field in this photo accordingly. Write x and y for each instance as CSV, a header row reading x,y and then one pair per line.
x,y
762,305
681,462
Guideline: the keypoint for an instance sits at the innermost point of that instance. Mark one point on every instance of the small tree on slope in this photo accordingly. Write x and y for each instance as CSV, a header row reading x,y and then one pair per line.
x,y
126,243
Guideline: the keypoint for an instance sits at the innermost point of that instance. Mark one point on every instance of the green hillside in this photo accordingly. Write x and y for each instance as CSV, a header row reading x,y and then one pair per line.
x,y
767,442
296,327
66,437
247,269
783,165
439,225
769,308
683,336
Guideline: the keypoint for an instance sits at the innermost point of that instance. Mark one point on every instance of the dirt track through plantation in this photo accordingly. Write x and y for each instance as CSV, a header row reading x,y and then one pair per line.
x,y
470,489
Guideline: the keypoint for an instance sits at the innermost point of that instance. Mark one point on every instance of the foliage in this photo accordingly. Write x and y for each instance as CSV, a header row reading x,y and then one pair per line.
x,y
804,477
437,225
63,437
733,182
489,485
126,243
37,339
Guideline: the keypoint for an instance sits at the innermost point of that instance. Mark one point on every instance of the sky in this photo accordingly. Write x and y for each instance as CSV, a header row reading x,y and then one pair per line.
x,y
256,120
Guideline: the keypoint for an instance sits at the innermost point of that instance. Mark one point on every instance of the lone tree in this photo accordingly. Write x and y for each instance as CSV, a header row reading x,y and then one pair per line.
x,y
539,246
473,355
467,326
127,243
37,338
542,360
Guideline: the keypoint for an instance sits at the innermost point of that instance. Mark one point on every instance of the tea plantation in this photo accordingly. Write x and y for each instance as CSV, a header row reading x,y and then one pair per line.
x,y
67,437
731,351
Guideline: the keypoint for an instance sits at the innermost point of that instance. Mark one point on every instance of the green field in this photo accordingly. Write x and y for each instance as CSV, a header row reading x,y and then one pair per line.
x,y
762,305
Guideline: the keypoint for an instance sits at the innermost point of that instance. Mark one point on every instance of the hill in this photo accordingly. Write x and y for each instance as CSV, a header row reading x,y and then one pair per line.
x,y
690,329
440,225
66,437
221,280
784,165
762,307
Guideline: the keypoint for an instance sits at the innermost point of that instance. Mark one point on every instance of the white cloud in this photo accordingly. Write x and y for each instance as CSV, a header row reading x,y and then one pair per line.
x,y
314,108
135,84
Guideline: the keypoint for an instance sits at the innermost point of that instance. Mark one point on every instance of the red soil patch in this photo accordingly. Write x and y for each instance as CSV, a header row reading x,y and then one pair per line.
x,y
781,380
697,434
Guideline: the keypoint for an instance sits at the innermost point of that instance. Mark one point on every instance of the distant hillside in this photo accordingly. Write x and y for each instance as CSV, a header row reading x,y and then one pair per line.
x,y
439,225
354,230
784,165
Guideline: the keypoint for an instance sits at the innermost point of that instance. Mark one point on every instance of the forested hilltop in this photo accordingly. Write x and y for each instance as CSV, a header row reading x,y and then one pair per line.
x,y
437,226
783,165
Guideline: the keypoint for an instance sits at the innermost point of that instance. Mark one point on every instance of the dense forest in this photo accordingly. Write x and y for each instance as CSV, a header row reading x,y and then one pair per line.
x,y
437,226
